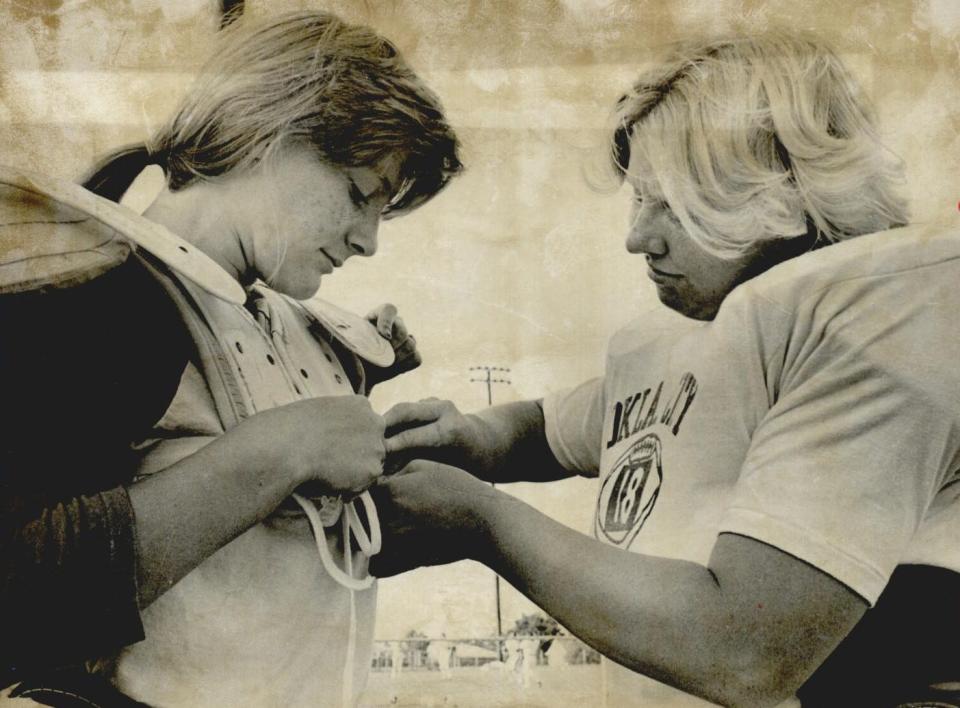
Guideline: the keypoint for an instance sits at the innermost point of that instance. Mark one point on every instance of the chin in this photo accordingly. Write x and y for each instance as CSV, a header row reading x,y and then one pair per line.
x,y
298,291
691,310
309,293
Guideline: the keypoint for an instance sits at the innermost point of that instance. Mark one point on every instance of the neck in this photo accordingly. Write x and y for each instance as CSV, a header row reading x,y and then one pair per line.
x,y
192,214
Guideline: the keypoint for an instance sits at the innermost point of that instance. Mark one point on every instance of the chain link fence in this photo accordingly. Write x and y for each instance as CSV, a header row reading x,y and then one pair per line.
x,y
518,653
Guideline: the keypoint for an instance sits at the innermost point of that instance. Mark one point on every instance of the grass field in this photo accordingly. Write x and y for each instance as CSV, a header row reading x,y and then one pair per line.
x,y
486,687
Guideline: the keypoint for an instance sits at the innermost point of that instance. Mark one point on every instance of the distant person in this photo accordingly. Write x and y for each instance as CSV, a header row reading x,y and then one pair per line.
x,y
396,659
515,659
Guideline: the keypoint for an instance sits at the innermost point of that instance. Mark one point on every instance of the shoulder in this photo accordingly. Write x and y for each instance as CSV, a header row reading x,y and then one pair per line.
x,y
65,260
55,234
47,243
883,259
849,288
880,307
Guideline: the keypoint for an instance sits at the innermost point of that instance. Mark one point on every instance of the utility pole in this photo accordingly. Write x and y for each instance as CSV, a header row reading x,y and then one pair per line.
x,y
493,375
489,373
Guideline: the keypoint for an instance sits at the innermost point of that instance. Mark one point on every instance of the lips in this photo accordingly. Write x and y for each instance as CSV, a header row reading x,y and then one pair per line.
x,y
333,261
660,276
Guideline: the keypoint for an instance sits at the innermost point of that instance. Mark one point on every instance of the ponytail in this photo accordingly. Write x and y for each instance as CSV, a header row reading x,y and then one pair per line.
x,y
113,175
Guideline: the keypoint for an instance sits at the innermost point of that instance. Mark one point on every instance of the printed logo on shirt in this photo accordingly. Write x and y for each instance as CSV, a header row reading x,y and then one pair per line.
x,y
630,491
642,409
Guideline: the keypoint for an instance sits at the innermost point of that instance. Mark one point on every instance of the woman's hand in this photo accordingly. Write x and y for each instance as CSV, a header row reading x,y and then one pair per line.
x,y
392,328
334,443
435,429
429,515
505,443
188,511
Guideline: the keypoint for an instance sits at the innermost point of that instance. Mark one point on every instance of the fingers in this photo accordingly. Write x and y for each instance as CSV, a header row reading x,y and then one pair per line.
x,y
407,356
404,344
406,543
398,333
425,436
426,424
409,468
405,415
406,347
428,410
384,318
392,327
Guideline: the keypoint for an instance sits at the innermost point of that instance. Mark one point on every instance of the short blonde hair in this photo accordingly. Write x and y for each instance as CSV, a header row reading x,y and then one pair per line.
x,y
758,138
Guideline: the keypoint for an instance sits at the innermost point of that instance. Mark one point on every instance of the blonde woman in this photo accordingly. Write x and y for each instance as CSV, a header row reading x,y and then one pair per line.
x,y
172,384
777,503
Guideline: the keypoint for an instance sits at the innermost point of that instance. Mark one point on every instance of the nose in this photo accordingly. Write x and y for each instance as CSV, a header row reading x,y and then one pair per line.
x,y
362,238
645,235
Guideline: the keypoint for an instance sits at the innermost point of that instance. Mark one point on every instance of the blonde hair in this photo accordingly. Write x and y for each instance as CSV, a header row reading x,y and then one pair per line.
x,y
307,77
755,139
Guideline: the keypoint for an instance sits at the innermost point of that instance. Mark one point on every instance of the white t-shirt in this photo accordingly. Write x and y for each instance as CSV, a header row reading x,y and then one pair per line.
x,y
260,622
817,413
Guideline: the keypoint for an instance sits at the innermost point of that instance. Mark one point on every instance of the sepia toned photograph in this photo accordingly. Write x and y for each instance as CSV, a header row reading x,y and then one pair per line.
x,y
479,353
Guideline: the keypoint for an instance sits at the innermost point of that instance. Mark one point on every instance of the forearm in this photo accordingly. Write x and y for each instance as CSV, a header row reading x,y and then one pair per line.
x,y
640,611
675,621
513,445
191,509
188,511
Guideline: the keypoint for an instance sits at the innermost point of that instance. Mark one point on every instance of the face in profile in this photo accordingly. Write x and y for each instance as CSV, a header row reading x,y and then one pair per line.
x,y
300,218
688,278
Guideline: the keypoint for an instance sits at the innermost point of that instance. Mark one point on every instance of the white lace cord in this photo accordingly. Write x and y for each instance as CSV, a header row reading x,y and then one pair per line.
x,y
370,545
352,526
346,678
351,522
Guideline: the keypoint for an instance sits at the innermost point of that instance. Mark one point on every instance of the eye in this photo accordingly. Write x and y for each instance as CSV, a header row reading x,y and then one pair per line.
x,y
654,206
670,213
356,196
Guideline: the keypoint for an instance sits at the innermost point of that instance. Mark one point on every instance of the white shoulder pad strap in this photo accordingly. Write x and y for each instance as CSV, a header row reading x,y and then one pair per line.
x,y
354,332
64,219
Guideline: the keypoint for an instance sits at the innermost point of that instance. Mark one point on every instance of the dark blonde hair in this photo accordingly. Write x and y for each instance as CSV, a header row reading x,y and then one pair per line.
x,y
307,77
758,138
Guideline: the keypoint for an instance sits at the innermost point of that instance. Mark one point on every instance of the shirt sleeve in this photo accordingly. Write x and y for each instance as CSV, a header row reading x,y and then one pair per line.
x,y
573,422
91,367
844,464
69,580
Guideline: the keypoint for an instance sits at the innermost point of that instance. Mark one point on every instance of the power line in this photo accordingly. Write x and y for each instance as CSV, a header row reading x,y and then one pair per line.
x,y
489,379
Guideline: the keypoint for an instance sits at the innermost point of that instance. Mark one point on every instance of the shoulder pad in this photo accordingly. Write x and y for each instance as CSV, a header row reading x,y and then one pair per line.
x,y
354,332
44,243
56,234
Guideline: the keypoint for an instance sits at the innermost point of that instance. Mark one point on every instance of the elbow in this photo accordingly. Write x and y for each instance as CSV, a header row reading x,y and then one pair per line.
x,y
728,668
750,678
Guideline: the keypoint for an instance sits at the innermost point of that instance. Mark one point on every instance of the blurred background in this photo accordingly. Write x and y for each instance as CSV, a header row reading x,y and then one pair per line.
x,y
520,263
